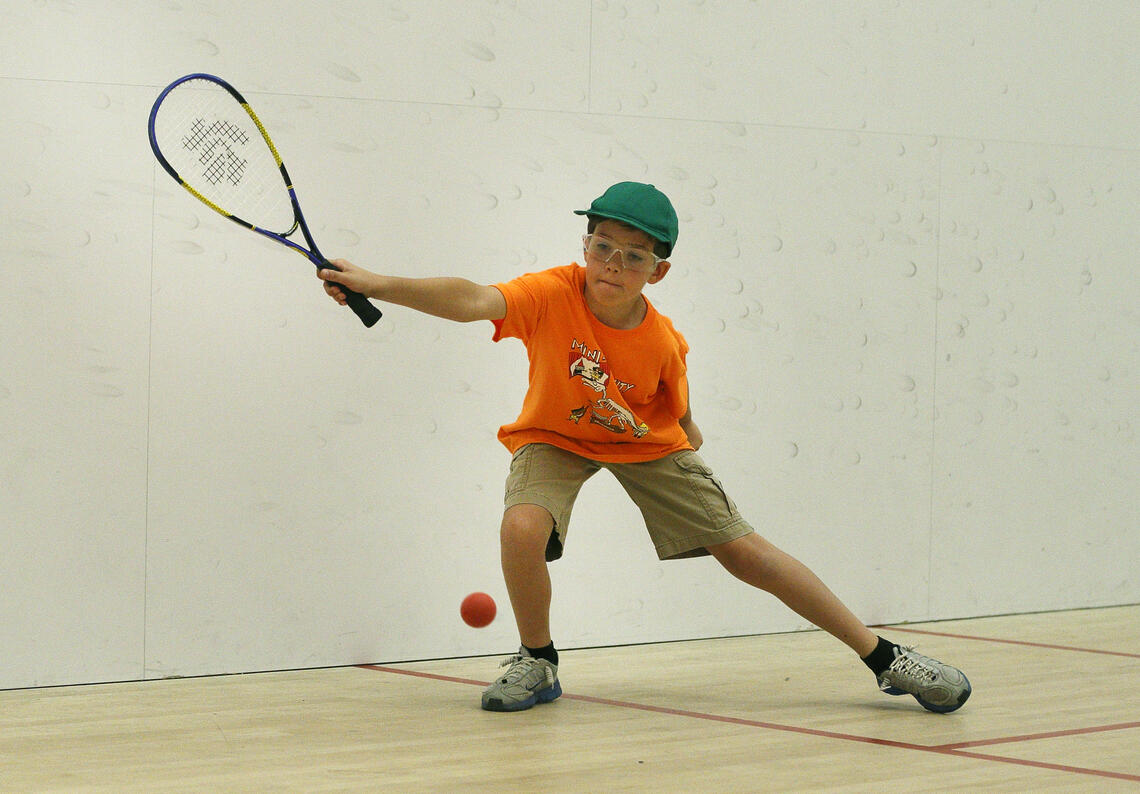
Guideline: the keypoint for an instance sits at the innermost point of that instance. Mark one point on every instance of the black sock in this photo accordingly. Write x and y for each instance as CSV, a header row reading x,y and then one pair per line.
x,y
548,653
880,658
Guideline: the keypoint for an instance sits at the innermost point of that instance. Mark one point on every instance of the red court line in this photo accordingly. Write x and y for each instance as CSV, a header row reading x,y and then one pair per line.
x,y
776,726
949,749
417,674
1014,642
1079,770
1029,737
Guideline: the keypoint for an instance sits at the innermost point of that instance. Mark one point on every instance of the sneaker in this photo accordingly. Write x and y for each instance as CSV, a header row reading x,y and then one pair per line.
x,y
938,687
527,681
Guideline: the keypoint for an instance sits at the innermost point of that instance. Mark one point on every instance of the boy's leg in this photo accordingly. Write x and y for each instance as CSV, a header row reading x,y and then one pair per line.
x,y
754,560
900,671
540,491
523,537
527,679
688,512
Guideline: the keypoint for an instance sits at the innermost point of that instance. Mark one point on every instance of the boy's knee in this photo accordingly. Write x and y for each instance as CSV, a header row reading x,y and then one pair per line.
x,y
750,556
526,526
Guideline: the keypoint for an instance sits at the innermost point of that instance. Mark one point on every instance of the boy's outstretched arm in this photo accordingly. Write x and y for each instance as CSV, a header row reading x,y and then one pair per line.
x,y
451,298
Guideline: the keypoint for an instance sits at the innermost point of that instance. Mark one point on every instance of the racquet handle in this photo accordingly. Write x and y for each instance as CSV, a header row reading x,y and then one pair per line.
x,y
368,313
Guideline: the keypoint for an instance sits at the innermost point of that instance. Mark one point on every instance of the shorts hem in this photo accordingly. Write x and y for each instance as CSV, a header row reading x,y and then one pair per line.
x,y
530,498
697,545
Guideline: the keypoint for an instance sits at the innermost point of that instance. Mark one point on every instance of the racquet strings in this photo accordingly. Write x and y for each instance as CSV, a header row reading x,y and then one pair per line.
x,y
217,150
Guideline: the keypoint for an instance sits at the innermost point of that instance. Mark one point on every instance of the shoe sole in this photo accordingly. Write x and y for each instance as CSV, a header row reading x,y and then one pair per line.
x,y
962,698
542,696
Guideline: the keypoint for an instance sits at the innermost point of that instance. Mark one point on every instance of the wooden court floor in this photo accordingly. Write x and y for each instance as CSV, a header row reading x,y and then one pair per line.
x,y
1056,707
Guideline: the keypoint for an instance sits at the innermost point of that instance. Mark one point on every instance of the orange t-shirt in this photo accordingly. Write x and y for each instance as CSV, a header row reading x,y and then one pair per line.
x,y
603,393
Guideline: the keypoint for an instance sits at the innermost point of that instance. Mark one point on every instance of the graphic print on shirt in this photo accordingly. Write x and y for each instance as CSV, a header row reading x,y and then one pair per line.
x,y
591,366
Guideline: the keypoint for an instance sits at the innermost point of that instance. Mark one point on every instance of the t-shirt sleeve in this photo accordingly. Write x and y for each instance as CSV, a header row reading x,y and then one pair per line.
x,y
526,302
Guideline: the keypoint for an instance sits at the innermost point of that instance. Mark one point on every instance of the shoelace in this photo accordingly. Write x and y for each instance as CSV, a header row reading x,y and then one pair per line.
x,y
519,667
914,665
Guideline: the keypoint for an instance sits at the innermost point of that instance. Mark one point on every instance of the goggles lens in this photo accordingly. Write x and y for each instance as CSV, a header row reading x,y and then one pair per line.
x,y
635,259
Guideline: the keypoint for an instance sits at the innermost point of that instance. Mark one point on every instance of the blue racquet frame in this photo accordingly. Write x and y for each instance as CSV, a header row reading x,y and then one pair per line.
x,y
364,309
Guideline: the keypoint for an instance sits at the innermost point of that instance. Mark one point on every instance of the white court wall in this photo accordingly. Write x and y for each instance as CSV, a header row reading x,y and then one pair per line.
x,y
907,270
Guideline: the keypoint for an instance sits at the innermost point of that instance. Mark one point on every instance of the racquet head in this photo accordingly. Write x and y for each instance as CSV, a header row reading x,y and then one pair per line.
x,y
207,137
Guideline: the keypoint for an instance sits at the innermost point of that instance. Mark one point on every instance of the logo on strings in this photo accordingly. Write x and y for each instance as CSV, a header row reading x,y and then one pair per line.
x,y
212,143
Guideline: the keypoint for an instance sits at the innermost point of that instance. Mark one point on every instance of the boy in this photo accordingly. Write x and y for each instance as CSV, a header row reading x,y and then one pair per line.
x,y
622,404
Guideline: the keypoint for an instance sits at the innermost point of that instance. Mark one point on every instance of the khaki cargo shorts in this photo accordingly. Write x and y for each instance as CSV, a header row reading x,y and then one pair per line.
x,y
683,504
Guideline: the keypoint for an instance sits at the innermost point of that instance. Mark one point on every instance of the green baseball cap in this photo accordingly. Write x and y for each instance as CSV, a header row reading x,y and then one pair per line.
x,y
640,205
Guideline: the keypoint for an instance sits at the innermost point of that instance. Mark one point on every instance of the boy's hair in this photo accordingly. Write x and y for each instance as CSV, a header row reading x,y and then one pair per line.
x,y
660,247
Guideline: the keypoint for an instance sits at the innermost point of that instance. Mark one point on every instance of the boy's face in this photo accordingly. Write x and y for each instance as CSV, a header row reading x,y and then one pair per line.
x,y
610,282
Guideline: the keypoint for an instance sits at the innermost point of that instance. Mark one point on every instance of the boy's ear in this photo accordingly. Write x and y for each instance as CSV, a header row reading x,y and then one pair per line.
x,y
658,274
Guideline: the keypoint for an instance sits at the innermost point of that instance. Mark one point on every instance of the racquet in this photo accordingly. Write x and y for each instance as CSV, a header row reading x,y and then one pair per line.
x,y
208,138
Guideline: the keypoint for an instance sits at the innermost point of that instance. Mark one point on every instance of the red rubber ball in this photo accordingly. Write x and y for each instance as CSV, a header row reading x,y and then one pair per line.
x,y
477,610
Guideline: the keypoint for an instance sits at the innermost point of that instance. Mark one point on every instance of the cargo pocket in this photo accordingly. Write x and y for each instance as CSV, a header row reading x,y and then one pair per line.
x,y
706,487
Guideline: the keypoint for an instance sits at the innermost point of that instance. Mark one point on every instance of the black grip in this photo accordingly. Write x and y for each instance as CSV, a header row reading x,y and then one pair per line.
x,y
368,314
